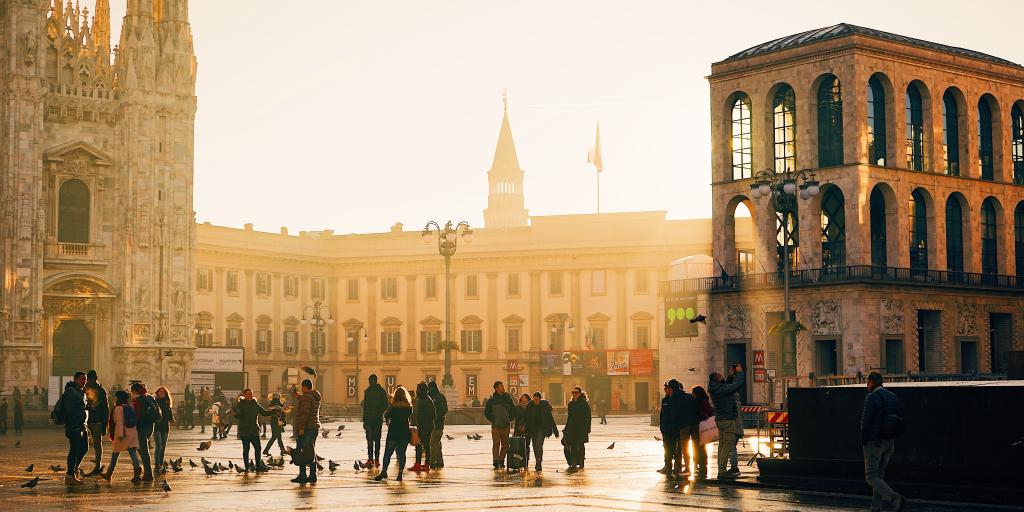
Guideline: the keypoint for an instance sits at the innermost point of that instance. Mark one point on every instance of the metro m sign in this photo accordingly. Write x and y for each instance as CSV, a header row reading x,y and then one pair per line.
x,y
513,367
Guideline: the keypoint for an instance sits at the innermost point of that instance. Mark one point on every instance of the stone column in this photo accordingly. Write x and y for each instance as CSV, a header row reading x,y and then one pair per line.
x,y
491,334
534,330
410,318
621,319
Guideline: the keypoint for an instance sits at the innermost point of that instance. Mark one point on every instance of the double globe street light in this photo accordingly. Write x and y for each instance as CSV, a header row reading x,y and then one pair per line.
x,y
447,239
318,322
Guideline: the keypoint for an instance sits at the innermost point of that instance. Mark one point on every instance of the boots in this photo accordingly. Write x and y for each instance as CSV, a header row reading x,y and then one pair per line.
x,y
106,476
72,480
416,468
136,475
95,470
381,476
399,477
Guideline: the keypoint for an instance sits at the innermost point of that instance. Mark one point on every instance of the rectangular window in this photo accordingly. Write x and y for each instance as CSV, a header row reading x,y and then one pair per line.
x,y
262,283
234,337
598,337
512,290
318,342
430,341
291,286
745,265
513,337
352,342
389,288
317,289
642,336
968,360
472,340
1001,329
203,279
557,338
597,282
353,289
471,389
554,283
231,279
264,384
263,340
471,289
391,342
291,342
430,287
929,341
640,285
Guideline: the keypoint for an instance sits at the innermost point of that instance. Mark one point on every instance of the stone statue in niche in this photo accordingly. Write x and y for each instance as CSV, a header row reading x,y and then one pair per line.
x,y
126,327
161,233
25,216
41,222
25,295
179,230
5,318
178,300
8,217
31,46
142,299
160,331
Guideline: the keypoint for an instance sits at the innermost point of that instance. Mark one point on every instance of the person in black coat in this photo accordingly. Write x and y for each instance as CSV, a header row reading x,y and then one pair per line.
x,y
99,413
399,433
688,421
277,423
577,429
669,425
425,415
76,419
539,422
375,403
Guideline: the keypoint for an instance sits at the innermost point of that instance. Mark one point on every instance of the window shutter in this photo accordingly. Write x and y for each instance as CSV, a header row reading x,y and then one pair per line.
x,y
423,342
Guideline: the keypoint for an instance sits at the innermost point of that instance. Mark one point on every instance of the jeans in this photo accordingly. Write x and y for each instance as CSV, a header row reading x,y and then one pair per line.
x,y
877,455
373,432
726,443
96,429
499,445
78,446
113,460
275,434
687,434
159,446
398,449
308,438
672,453
251,440
425,443
3,424
537,440
419,453
436,459
147,463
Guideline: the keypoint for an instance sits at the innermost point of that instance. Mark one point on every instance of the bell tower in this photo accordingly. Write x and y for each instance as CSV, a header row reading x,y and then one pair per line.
x,y
505,199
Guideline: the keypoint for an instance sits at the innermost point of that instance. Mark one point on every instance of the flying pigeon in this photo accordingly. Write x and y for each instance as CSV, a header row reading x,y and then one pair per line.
x,y
166,487
699,318
611,446
331,465
469,437
31,483
308,370
29,468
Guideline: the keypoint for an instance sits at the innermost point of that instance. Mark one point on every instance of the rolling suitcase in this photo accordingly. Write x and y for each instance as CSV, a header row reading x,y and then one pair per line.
x,y
518,453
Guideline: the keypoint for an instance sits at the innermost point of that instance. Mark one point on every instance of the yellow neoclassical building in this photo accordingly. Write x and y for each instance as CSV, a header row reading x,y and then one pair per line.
x,y
542,303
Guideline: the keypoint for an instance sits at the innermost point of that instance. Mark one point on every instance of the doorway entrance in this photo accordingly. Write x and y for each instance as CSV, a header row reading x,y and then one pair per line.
x,y
642,396
72,348
737,353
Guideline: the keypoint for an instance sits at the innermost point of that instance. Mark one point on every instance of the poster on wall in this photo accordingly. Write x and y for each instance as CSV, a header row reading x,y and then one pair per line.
x,y
593,362
641,362
551,363
618,362
524,380
678,313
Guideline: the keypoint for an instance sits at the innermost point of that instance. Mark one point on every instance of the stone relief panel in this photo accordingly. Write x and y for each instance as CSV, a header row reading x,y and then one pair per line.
x,y
827,318
737,321
891,313
966,319
141,332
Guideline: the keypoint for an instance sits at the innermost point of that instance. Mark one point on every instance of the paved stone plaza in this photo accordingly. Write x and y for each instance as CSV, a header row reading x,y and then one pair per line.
x,y
620,479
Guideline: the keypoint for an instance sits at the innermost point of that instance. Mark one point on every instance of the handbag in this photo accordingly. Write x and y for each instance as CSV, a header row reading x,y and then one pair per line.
x,y
708,431
414,438
302,455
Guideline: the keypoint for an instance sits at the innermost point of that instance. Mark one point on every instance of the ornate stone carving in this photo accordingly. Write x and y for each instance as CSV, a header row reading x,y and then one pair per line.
x,y
179,230
827,318
144,227
25,295
31,44
966,319
141,332
175,371
25,215
76,287
891,313
23,329
737,321
20,370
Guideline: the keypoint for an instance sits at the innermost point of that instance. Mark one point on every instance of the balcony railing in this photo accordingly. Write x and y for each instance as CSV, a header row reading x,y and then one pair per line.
x,y
840,275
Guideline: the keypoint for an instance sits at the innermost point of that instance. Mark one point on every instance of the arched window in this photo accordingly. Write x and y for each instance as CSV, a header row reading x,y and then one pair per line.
x,y
954,235
878,247
833,229
985,150
73,213
1017,143
876,122
830,123
1018,237
792,231
915,129
784,128
918,231
989,257
951,133
739,143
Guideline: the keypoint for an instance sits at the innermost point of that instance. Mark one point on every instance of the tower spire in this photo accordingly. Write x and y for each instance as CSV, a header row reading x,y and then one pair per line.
x,y
505,199
505,152
101,30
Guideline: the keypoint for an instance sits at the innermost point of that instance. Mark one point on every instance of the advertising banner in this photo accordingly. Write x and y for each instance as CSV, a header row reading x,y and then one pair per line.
x,y
618,362
592,362
551,363
219,359
641,362
678,313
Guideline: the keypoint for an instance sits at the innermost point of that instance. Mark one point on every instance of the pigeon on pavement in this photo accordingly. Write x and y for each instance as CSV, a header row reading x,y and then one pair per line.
x,y
166,487
29,468
611,446
31,483
331,465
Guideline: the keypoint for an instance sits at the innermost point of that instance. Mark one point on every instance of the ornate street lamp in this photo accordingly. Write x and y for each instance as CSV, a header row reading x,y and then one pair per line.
x,y
353,337
447,243
781,188
318,322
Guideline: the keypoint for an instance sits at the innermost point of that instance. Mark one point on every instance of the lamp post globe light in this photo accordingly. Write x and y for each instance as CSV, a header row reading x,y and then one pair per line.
x,y
354,337
782,190
318,322
447,239
202,334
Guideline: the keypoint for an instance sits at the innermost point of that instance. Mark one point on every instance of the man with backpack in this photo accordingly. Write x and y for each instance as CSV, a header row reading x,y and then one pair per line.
x,y
880,425
99,412
499,411
70,411
148,413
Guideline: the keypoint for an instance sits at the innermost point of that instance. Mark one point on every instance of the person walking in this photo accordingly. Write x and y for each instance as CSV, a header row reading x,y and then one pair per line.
x,y
19,416
163,427
399,433
3,416
277,424
880,424
726,413
214,413
204,407
577,430
670,428
99,413
500,411
307,426
76,419
519,418
436,460
425,415
375,403
688,416
418,448
123,436
540,424
227,416
704,411
187,418
247,411
734,459
148,413
602,410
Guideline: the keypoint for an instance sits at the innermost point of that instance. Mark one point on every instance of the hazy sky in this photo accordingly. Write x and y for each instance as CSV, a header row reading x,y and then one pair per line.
x,y
352,115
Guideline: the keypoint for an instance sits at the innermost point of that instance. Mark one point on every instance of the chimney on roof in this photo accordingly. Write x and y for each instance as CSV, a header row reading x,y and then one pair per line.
x,y
397,228
284,230
248,226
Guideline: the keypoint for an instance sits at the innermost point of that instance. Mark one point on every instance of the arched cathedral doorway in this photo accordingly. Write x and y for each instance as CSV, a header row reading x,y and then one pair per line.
x,y
72,348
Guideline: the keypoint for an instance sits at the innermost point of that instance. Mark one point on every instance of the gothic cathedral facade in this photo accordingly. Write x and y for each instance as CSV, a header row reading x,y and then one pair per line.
x,y
96,156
